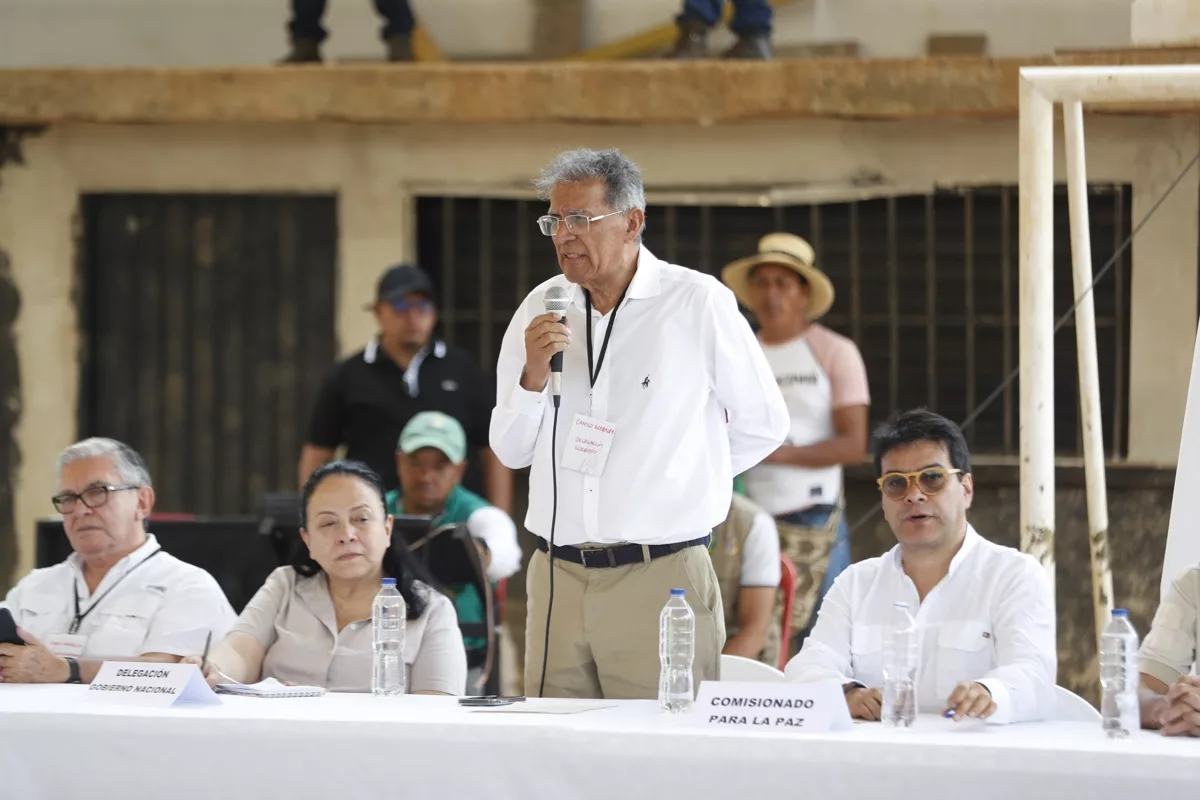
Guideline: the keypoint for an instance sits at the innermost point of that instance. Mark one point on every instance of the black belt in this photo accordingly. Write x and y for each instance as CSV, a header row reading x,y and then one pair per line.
x,y
617,556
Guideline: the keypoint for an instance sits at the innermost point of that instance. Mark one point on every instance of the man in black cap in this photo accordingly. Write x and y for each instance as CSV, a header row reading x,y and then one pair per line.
x,y
367,399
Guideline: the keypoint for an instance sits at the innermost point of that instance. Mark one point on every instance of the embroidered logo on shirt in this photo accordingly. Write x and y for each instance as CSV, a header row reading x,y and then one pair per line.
x,y
449,385
789,380
815,491
646,383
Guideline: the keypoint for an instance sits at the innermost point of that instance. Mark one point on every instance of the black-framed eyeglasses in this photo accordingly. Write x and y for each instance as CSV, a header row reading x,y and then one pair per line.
x,y
576,223
930,481
92,497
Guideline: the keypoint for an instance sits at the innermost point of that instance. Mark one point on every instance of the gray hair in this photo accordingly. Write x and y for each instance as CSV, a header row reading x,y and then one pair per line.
x,y
622,178
128,463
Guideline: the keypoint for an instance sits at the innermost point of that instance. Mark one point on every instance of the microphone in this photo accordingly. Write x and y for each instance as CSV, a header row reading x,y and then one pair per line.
x,y
556,301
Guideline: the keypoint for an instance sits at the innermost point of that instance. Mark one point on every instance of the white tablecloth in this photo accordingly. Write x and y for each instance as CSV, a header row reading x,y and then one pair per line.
x,y
54,745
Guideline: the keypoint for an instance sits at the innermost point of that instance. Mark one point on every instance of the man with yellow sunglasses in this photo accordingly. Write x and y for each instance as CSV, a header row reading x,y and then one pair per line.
x,y
986,612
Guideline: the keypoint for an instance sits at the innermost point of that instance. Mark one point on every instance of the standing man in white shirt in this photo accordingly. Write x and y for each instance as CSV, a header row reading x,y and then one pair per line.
x,y
668,398
986,612
824,384
118,596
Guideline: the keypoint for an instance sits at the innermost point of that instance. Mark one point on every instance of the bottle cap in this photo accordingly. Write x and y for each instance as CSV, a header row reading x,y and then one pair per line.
x,y
1120,612
678,593
388,582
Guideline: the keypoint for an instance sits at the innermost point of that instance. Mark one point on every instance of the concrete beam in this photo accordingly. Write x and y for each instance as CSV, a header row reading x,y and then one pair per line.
x,y
633,93
645,93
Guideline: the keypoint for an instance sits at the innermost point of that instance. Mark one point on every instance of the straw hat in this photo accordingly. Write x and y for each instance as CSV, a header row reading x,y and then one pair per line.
x,y
791,252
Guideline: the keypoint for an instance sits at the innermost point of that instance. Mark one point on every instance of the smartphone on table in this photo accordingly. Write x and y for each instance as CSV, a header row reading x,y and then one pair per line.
x,y
488,701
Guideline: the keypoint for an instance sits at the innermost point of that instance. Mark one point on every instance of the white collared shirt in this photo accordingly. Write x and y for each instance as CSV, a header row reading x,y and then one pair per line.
x,y
160,606
990,620
680,358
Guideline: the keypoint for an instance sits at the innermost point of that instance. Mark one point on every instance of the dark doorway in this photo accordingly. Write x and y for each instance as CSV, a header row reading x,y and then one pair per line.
x,y
208,323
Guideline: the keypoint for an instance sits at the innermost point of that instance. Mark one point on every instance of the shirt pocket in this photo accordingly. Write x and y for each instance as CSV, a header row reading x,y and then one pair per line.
x,y
966,652
866,654
42,614
126,623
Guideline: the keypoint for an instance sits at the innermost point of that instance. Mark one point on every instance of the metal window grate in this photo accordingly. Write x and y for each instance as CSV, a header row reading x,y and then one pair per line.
x,y
926,285
208,324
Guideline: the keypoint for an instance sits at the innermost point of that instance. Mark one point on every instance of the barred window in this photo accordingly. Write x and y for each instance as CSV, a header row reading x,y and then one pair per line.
x,y
926,286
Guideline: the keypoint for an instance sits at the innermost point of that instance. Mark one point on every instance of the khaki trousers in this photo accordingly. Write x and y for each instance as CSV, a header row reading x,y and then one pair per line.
x,y
604,629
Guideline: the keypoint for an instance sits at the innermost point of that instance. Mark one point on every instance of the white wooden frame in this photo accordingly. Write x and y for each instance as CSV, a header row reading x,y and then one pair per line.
x,y
1040,89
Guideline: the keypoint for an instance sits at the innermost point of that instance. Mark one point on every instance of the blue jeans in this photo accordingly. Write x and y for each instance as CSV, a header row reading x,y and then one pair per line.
x,y
306,19
750,17
839,556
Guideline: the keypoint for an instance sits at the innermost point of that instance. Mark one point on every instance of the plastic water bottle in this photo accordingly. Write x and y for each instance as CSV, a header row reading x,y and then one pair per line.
x,y
388,614
676,649
901,657
1119,676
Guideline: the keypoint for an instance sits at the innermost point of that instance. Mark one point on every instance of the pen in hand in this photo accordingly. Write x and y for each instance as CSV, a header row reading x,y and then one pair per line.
x,y
204,658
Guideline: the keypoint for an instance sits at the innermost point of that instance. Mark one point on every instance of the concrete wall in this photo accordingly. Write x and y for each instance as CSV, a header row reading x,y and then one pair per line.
x,y
232,32
375,172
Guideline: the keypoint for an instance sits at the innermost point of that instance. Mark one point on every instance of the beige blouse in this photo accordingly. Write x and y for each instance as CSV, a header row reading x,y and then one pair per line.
x,y
293,618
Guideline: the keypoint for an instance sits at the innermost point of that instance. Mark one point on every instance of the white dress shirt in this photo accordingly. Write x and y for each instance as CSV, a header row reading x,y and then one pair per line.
x,y
157,604
990,620
680,363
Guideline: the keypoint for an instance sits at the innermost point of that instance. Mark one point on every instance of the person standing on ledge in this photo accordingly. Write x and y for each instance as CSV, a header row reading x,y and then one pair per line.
x,y
751,22
676,395
307,34
367,399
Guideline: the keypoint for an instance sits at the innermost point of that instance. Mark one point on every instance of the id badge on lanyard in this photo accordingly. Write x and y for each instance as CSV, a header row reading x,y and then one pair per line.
x,y
590,440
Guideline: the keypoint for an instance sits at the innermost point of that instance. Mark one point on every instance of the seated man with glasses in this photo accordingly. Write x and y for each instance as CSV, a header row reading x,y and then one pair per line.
x,y
118,596
986,612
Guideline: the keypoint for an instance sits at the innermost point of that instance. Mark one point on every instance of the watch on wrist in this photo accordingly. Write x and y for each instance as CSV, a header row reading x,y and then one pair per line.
x,y
73,665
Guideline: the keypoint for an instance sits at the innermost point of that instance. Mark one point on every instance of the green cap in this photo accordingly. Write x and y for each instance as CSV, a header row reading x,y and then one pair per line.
x,y
437,430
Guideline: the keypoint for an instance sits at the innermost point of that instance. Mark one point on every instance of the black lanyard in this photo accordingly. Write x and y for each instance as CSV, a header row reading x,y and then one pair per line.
x,y
79,618
594,372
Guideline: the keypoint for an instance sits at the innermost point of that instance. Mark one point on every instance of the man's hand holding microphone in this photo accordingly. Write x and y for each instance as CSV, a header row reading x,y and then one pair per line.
x,y
546,337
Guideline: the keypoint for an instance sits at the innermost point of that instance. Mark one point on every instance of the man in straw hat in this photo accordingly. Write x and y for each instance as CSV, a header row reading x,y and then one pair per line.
x,y
824,383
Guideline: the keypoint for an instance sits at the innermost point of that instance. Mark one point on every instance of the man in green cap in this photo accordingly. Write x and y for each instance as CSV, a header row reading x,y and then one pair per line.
x,y
431,457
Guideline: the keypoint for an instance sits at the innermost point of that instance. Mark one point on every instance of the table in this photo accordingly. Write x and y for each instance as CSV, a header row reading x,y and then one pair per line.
x,y
54,745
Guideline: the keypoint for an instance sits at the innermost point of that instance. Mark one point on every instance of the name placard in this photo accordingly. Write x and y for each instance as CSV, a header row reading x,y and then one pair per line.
x,y
154,685
794,707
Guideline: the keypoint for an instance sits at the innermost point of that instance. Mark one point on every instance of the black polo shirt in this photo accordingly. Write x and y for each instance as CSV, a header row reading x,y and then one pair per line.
x,y
367,400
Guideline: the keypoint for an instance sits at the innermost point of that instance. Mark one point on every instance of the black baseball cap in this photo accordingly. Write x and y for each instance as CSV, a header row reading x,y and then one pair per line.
x,y
403,279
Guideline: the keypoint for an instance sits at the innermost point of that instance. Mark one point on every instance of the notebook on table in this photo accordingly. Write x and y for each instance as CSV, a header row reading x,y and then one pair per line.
x,y
268,688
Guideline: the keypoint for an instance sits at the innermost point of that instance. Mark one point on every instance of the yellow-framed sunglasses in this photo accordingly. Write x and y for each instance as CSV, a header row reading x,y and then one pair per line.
x,y
930,481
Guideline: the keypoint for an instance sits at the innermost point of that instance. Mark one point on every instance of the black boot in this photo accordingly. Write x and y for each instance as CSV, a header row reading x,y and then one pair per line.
x,y
692,42
756,46
304,51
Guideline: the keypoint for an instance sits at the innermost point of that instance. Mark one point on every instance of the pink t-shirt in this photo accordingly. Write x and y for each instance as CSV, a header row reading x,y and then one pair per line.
x,y
839,357
817,373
